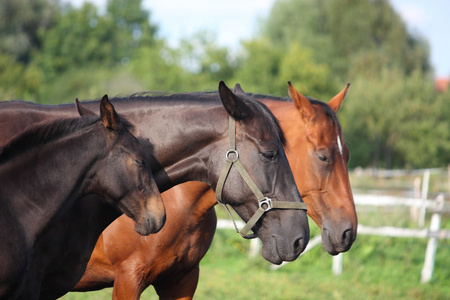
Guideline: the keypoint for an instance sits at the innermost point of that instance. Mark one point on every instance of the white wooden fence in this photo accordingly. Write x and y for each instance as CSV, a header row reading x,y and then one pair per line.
x,y
433,233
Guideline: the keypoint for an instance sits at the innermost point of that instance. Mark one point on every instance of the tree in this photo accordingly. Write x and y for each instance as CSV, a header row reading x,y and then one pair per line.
x,y
340,31
132,27
156,68
205,60
259,67
396,120
20,23
424,136
82,37
18,80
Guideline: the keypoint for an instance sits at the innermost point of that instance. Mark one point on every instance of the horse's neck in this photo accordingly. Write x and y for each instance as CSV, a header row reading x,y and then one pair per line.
x,y
190,198
17,116
178,139
41,184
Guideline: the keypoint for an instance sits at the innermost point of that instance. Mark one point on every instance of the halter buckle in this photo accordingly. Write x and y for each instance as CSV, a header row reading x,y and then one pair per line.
x,y
267,202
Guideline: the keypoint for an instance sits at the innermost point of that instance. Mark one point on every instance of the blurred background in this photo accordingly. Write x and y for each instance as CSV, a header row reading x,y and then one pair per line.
x,y
396,115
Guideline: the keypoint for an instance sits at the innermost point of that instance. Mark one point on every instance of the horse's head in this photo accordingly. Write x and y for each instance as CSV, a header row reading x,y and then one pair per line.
x,y
318,156
123,177
259,143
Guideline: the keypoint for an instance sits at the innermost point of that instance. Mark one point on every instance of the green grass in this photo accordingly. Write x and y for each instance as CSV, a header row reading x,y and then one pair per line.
x,y
375,267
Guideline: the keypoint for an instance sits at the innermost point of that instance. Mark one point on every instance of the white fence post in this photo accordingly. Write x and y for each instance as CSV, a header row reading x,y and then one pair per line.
x,y
255,246
448,175
414,210
424,196
337,264
428,265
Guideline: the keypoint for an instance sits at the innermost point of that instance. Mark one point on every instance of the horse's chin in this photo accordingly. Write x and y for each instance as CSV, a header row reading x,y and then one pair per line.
x,y
330,247
142,229
269,251
271,256
148,226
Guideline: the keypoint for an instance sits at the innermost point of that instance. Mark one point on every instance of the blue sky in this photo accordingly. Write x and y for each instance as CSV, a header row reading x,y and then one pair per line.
x,y
234,20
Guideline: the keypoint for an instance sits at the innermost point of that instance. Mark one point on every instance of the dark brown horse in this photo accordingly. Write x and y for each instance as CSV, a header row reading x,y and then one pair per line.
x,y
169,260
186,137
49,166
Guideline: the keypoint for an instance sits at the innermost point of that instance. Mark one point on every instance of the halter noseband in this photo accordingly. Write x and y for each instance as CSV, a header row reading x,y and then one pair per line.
x,y
265,203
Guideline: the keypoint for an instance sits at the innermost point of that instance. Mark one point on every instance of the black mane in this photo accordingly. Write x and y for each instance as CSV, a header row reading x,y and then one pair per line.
x,y
274,124
168,96
44,133
210,96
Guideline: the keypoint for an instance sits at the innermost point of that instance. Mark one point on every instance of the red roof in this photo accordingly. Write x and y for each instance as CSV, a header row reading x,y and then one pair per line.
x,y
441,84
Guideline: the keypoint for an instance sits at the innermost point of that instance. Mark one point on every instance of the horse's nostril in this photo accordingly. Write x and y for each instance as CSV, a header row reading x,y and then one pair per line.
x,y
347,237
150,224
299,245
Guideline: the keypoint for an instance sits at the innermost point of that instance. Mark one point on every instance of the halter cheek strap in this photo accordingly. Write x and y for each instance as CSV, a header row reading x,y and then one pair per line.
x,y
265,203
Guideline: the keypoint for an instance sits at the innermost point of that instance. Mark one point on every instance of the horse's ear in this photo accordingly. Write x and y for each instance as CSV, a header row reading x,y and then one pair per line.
x,y
234,105
83,111
238,90
108,115
336,101
301,102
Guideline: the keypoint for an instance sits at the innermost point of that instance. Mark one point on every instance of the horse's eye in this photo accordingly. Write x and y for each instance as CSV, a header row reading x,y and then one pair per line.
x,y
140,162
323,158
272,155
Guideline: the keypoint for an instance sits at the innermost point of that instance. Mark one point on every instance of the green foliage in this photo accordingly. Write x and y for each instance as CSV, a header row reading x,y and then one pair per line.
x,y
131,25
83,38
89,83
357,27
18,80
267,69
156,69
20,22
204,60
395,119
199,64
260,67
341,31
310,78
66,45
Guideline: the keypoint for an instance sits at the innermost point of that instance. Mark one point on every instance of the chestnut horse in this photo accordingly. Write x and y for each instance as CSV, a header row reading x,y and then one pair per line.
x,y
46,168
170,259
186,137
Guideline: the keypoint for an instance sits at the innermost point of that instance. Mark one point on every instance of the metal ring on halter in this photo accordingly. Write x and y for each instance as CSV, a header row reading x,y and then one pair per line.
x,y
267,201
227,155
